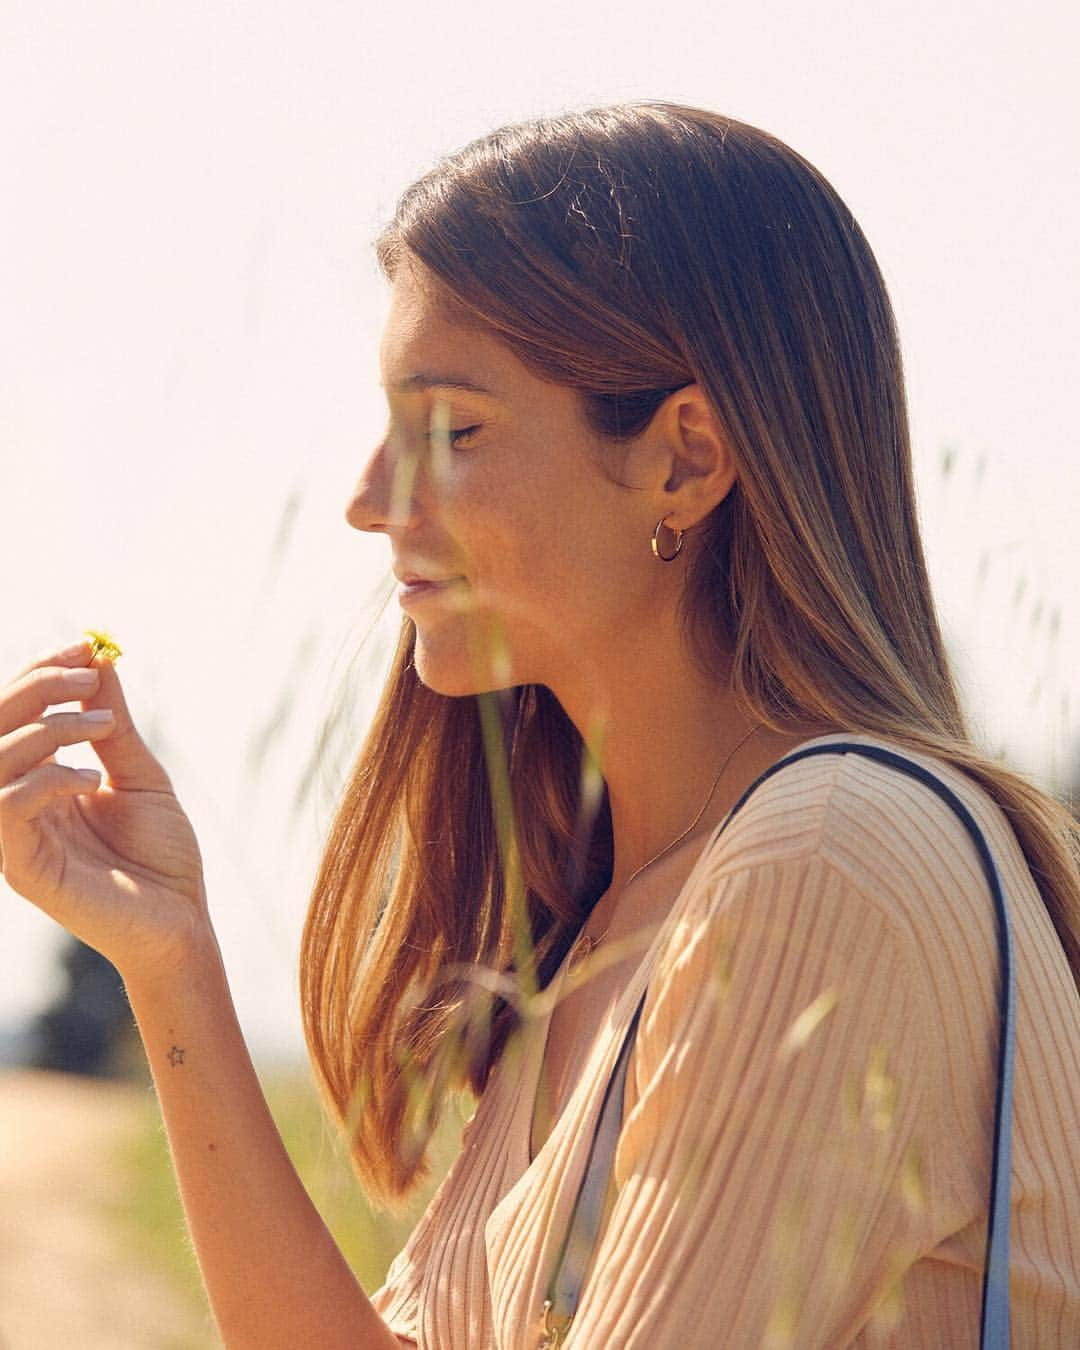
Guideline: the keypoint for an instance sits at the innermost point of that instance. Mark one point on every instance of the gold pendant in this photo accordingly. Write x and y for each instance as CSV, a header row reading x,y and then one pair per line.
x,y
553,1337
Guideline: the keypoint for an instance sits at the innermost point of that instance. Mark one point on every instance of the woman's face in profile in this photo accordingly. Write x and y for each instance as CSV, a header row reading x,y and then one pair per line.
x,y
490,476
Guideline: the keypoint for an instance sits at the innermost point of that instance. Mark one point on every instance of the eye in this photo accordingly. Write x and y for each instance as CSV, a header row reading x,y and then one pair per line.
x,y
456,436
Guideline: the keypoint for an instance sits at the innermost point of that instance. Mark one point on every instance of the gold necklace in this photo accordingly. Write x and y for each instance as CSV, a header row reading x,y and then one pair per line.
x,y
584,944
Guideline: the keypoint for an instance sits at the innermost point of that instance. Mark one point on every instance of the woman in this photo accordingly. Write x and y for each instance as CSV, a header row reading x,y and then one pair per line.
x,y
646,484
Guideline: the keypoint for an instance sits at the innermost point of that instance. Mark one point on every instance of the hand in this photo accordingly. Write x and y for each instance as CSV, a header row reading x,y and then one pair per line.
x,y
117,864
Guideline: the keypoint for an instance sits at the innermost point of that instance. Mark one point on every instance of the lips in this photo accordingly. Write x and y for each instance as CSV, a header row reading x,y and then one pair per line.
x,y
416,578
415,587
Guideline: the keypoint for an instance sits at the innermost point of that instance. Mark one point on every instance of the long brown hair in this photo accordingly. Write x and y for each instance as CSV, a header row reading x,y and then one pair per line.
x,y
626,252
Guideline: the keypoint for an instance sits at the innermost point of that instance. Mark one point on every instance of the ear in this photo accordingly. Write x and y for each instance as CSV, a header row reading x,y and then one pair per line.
x,y
693,455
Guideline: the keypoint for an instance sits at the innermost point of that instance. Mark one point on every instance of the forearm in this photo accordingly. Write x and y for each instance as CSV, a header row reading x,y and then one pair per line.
x,y
273,1273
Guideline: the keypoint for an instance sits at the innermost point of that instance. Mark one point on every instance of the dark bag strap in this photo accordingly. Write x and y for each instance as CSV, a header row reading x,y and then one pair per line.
x,y
579,1241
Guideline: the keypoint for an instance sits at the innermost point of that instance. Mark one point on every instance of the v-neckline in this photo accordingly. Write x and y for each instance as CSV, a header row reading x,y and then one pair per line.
x,y
619,1018
617,1021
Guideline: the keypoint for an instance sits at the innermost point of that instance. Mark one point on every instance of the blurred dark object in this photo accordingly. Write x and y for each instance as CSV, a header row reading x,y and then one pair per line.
x,y
90,1029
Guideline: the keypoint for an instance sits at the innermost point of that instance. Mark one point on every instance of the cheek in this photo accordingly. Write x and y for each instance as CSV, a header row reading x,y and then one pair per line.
x,y
503,534
535,537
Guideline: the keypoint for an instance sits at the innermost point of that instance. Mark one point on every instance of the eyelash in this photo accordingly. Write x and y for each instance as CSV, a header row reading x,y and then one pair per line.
x,y
460,434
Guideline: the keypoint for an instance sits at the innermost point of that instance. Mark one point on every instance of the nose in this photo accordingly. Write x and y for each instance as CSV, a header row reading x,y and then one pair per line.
x,y
384,498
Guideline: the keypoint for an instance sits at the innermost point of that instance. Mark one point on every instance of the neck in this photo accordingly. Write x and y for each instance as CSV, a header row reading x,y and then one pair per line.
x,y
663,732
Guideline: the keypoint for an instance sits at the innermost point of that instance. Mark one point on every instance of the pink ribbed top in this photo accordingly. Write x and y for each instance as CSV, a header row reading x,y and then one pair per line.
x,y
805,1151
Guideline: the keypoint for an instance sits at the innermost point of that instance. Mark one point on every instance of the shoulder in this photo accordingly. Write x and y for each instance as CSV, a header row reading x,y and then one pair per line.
x,y
807,922
840,870
864,820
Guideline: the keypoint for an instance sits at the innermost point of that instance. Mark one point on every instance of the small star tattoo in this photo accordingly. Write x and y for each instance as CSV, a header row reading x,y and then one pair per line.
x,y
176,1056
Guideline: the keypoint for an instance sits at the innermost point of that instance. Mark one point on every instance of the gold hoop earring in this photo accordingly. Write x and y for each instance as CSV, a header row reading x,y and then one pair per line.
x,y
667,557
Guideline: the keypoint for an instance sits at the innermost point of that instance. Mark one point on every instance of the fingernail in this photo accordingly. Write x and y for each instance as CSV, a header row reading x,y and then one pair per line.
x,y
80,679
97,715
70,653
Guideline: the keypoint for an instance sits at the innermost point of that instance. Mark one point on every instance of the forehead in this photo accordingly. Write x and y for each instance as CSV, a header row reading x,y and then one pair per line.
x,y
424,338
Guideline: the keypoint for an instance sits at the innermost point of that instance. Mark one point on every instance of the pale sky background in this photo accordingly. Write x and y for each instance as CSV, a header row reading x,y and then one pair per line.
x,y
189,317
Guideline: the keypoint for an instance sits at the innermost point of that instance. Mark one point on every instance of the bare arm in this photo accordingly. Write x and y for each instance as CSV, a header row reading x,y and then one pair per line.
x,y
273,1273
117,863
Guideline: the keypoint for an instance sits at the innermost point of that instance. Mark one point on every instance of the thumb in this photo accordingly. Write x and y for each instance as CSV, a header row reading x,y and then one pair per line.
x,y
124,754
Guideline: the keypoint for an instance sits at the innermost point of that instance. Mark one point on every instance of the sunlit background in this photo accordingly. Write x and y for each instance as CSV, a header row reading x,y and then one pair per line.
x,y
189,317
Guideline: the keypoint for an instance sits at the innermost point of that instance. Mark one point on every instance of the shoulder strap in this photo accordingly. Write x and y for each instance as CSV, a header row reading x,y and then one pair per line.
x,y
564,1288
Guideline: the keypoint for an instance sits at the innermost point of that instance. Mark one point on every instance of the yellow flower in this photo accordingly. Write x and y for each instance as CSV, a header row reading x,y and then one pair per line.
x,y
101,644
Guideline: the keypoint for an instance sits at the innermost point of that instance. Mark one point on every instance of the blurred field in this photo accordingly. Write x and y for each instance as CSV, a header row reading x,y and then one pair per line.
x,y
93,1247
67,1277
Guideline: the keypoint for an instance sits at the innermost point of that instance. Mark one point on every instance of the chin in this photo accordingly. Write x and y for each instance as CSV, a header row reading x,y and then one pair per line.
x,y
456,670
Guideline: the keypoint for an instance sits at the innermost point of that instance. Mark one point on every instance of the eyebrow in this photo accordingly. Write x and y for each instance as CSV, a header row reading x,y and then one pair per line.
x,y
424,380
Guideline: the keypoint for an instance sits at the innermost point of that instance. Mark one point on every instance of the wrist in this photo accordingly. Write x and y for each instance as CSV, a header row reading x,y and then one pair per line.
x,y
186,967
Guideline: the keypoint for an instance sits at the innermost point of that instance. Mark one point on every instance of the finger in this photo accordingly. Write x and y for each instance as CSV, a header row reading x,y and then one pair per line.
x,y
123,752
35,743
50,760
78,654
27,797
24,800
40,687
